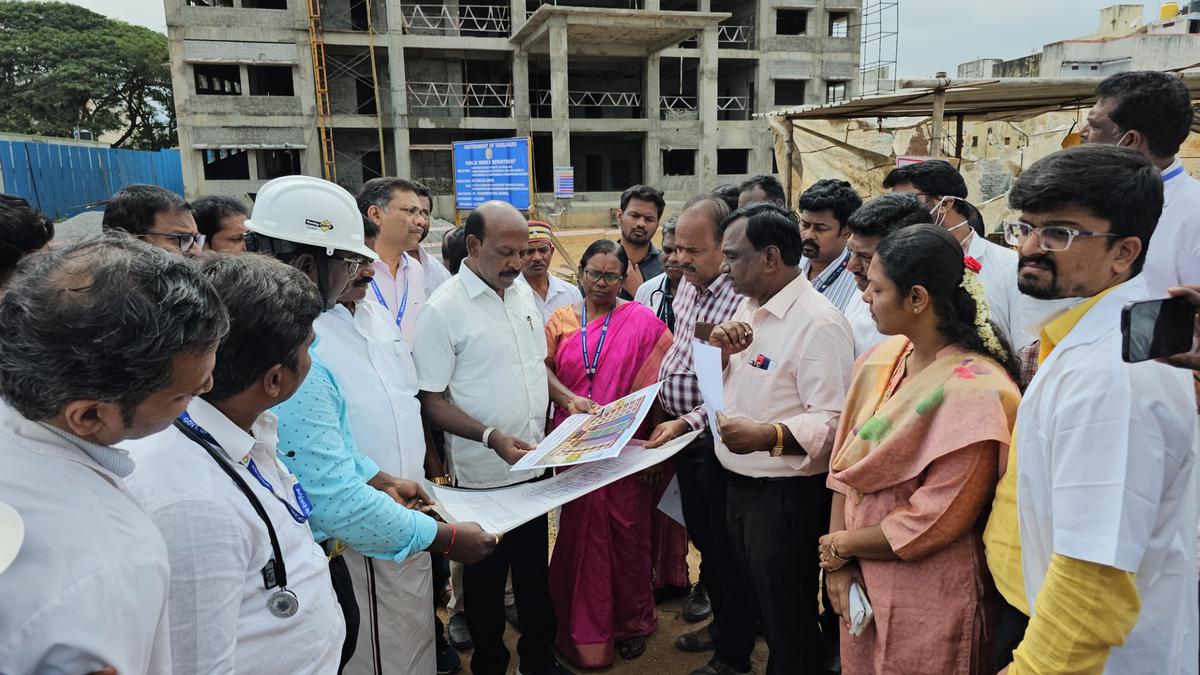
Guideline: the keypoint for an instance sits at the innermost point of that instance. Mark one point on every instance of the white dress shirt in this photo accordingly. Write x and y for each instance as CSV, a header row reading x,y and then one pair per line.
x,y
88,588
999,276
796,372
558,294
1174,254
369,356
489,355
1107,475
410,275
436,273
218,547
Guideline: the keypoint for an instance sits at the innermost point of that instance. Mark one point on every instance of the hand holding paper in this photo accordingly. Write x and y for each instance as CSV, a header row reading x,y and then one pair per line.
x,y
706,362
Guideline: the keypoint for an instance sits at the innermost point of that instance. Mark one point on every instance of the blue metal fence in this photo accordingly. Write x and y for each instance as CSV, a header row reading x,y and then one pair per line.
x,y
62,179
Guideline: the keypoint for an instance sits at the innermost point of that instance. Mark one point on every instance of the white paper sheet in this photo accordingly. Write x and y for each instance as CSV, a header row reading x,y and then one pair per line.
x,y
589,438
503,509
706,362
671,504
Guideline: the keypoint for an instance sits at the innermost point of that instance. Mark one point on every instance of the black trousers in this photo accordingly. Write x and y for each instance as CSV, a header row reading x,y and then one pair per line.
x,y
775,524
441,574
343,588
1010,631
702,486
525,551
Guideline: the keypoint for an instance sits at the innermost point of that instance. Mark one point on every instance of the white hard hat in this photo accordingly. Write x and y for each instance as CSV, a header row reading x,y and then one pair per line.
x,y
307,210
12,534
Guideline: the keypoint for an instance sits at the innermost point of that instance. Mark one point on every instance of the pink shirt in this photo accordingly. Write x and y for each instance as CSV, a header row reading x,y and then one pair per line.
x,y
410,274
795,373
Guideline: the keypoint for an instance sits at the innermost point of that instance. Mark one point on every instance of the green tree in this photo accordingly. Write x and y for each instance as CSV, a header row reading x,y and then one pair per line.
x,y
63,67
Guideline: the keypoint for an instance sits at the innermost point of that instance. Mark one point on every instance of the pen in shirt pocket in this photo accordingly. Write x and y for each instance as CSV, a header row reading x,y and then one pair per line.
x,y
762,362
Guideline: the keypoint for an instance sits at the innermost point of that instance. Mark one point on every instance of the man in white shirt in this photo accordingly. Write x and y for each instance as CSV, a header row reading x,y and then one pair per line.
x,y
1104,451
942,189
870,223
192,480
480,352
103,341
436,273
549,292
658,293
394,206
824,210
1152,113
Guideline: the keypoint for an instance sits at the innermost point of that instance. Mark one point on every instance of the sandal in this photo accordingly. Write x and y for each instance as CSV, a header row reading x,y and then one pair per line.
x,y
631,648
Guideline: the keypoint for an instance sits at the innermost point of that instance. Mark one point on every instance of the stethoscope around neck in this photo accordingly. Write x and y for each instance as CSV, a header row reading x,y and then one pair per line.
x,y
282,603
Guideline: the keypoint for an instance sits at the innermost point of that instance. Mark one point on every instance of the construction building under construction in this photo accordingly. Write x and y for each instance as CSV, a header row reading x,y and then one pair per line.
x,y
624,91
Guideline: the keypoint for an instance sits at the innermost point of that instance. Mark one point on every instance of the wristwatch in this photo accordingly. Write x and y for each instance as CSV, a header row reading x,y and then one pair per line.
x,y
441,480
777,449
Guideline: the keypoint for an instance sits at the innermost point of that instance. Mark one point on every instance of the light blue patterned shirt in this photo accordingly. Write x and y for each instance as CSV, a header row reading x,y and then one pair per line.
x,y
315,425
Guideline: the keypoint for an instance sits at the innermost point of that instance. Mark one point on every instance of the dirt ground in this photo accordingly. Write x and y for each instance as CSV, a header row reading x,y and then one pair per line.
x,y
661,656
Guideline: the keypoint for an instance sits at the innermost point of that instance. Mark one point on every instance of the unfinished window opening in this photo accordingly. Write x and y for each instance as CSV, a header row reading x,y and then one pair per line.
x,y
214,80
791,21
974,141
1193,26
790,92
226,164
270,80
372,165
835,91
364,93
839,24
733,161
276,163
264,4
679,162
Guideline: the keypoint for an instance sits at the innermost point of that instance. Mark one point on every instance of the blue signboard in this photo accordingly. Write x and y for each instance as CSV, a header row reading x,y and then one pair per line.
x,y
492,169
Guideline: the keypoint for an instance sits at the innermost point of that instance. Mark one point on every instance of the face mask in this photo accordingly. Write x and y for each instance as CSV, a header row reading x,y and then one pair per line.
x,y
939,217
1036,312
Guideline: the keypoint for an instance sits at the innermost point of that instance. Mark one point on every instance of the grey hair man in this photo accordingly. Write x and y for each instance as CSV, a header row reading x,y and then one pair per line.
x,y
155,215
105,340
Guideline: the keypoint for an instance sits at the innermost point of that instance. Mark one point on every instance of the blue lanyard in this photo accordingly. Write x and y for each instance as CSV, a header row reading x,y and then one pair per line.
x,y
1172,173
302,500
837,272
591,366
403,298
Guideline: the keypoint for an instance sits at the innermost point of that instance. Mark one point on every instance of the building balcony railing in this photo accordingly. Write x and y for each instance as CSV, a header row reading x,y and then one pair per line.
x,y
466,20
490,98
673,107
729,36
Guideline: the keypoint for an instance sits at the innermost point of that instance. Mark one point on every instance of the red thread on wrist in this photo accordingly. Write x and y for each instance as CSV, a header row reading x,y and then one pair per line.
x,y
453,534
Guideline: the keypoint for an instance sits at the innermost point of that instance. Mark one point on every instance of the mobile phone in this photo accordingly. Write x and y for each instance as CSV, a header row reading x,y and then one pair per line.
x,y
1154,329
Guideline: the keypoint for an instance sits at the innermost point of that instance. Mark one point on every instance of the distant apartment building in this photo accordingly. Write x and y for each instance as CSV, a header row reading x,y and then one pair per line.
x,y
1122,43
624,91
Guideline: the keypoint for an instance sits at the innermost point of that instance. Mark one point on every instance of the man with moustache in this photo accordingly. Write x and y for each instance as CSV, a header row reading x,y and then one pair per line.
x,y
868,224
641,210
395,206
549,292
824,209
481,365
1096,559
707,297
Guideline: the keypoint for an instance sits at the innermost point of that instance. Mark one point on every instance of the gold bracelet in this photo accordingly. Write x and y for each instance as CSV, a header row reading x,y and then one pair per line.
x,y
441,480
833,550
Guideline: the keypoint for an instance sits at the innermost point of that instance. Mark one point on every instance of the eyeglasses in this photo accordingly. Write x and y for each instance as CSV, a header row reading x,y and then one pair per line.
x,y
184,242
1050,238
609,278
352,263
413,211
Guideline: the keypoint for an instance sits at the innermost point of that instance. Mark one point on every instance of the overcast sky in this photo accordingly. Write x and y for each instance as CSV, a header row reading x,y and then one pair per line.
x,y
934,34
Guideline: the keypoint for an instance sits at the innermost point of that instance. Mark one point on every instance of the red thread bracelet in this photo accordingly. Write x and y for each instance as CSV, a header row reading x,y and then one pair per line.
x,y
453,534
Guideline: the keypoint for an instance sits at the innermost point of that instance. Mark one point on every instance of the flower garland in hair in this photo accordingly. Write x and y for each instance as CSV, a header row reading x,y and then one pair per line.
x,y
974,287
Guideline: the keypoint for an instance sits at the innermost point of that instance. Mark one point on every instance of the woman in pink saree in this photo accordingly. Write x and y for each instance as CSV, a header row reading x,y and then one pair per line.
x,y
601,569
919,447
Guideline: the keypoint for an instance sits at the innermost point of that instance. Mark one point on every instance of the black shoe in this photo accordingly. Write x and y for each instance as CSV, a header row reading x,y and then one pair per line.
x,y
716,666
510,615
698,607
459,634
698,641
556,669
448,661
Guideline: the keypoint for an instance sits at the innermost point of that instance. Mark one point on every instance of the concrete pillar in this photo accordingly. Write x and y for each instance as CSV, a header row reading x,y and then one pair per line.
x,y
397,79
652,162
651,5
707,106
520,91
559,101
516,11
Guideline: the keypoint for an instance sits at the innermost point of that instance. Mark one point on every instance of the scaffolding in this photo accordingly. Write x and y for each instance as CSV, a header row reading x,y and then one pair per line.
x,y
321,90
879,46
459,20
